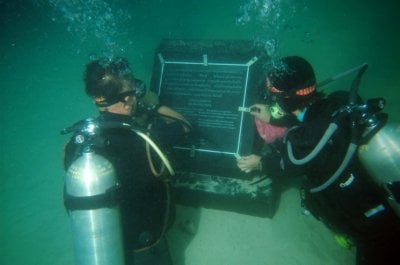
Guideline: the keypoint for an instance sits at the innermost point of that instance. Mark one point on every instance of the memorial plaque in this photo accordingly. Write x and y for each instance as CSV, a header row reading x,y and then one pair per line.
x,y
207,82
209,96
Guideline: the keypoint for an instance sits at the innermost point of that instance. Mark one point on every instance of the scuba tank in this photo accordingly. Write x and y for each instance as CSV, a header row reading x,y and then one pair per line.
x,y
92,195
381,157
91,198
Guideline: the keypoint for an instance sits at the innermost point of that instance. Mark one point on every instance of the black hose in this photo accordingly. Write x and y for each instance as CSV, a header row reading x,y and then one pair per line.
x,y
336,77
322,142
356,84
351,150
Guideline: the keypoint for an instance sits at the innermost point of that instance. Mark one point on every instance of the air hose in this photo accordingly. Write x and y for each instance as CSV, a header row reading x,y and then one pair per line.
x,y
157,150
325,138
353,145
349,155
165,162
167,113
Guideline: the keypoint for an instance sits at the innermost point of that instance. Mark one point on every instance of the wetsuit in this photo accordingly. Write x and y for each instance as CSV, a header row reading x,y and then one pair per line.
x,y
144,200
353,205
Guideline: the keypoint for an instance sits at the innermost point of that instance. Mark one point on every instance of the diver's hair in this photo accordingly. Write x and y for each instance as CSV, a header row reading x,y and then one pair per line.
x,y
105,77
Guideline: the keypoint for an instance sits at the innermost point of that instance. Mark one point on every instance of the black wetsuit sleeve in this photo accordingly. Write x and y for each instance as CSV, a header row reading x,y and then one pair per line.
x,y
277,162
167,134
271,165
276,165
258,144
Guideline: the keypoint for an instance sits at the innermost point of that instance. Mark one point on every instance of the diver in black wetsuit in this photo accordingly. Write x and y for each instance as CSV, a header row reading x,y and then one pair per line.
x,y
146,210
351,204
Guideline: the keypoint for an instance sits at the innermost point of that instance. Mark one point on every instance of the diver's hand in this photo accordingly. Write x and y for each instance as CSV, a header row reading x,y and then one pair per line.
x,y
249,163
261,112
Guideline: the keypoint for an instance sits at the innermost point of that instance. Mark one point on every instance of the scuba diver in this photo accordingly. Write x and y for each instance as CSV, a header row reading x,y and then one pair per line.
x,y
143,192
338,190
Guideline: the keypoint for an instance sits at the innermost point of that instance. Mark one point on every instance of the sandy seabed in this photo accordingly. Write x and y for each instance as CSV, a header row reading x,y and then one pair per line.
x,y
207,236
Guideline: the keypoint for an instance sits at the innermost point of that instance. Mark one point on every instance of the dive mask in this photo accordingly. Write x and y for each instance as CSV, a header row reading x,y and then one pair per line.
x,y
276,111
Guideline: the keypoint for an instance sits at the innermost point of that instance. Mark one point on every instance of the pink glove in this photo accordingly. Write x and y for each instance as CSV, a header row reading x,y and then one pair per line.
x,y
269,132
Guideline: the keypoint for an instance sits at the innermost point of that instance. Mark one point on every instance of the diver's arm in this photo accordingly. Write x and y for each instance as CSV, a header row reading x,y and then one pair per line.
x,y
271,165
276,163
171,115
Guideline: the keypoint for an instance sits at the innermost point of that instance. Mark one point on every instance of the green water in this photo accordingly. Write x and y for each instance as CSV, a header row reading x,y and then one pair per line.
x,y
45,45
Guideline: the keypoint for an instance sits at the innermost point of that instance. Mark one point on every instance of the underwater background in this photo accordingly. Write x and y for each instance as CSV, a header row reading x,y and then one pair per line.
x,y
45,45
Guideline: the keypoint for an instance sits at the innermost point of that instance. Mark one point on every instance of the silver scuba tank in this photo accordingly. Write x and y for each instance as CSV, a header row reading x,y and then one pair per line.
x,y
90,198
381,158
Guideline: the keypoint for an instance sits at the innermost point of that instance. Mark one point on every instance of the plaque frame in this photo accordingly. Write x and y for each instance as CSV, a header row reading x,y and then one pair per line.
x,y
208,176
